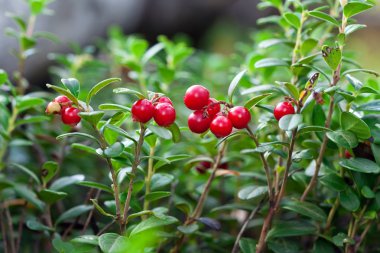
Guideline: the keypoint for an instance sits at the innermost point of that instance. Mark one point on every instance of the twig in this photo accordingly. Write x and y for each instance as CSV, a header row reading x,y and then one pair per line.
x,y
246,222
106,227
10,230
363,235
3,231
90,215
20,227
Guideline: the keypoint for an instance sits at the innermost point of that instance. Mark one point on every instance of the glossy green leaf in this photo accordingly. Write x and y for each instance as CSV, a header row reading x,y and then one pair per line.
x,y
29,195
252,192
332,56
66,181
368,71
86,239
325,17
49,170
361,165
349,199
121,131
112,243
72,85
129,91
26,103
73,213
367,192
152,196
311,129
333,182
114,150
176,133
271,62
234,83
85,148
99,86
357,84
172,158
351,122
290,121
355,7
151,52
3,76
160,180
32,120
96,185
77,134
307,209
352,28
247,245
152,222
188,229
292,19
345,139
341,239
27,171
160,132
34,224
65,92
92,117
255,100
114,107
373,106
291,228
50,197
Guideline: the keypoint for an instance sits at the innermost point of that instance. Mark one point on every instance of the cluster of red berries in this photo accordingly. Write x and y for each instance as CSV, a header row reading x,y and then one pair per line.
x,y
159,108
203,166
208,115
63,105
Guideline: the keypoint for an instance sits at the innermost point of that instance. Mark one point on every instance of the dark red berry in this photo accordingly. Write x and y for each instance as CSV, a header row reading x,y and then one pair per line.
x,y
223,166
239,117
164,114
203,166
70,116
221,126
196,97
164,100
63,100
282,109
142,110
198,122
213,107
347,154
53,107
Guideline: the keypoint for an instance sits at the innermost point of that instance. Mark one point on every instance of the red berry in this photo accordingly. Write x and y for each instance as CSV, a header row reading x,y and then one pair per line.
x,y
221,126
223,166
212,107
203,166
198,122
164,114
70,116
282,109
142,110
196,97
53,107
165,100
347,154
63,100
239,117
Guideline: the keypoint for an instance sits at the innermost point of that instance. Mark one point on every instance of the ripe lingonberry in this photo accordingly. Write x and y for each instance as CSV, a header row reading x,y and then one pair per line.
x,y
347,154
70,116
165,100
164,114
142,110
63,100
221,126
198,122
53,107
282,109
203,166
196,97
213,107
239,117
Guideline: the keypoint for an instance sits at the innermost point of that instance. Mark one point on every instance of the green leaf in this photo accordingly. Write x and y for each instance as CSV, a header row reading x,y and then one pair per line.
x,y
114,107
112,243
160,132
100,209
92,117
50,197
252,192
352,123
28,172
367,192
49,169
3,76
270,62
188,229
157,195
86,239
29,196
357,84
349,200
290,121
152,222
77,134
151,52
293,90
325,17
66,181
307,209
99,86
361,165
247,245
272,42
332,56
368,71
255,100
96,185
341,239
34,224
73,213
27,42
85,148
291,228
26,103
307,46
333,182
114,150
122,132
354,8
176,133
234,83
373,106
160,180
344,139
31,120
129,91
308,129
65,92
72,85
369,90
172,158
292,19
352,28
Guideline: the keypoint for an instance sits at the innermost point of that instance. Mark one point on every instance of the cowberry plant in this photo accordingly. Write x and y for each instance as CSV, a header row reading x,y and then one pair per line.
x,y
168,156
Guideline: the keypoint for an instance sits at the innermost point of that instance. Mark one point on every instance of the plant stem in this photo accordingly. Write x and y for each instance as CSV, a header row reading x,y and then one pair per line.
x,y
198,209
363,235
148,178
246,222
10,230
332,213
133,172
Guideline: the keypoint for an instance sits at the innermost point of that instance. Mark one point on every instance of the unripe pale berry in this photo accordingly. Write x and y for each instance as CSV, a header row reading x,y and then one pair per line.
x,y
53,108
